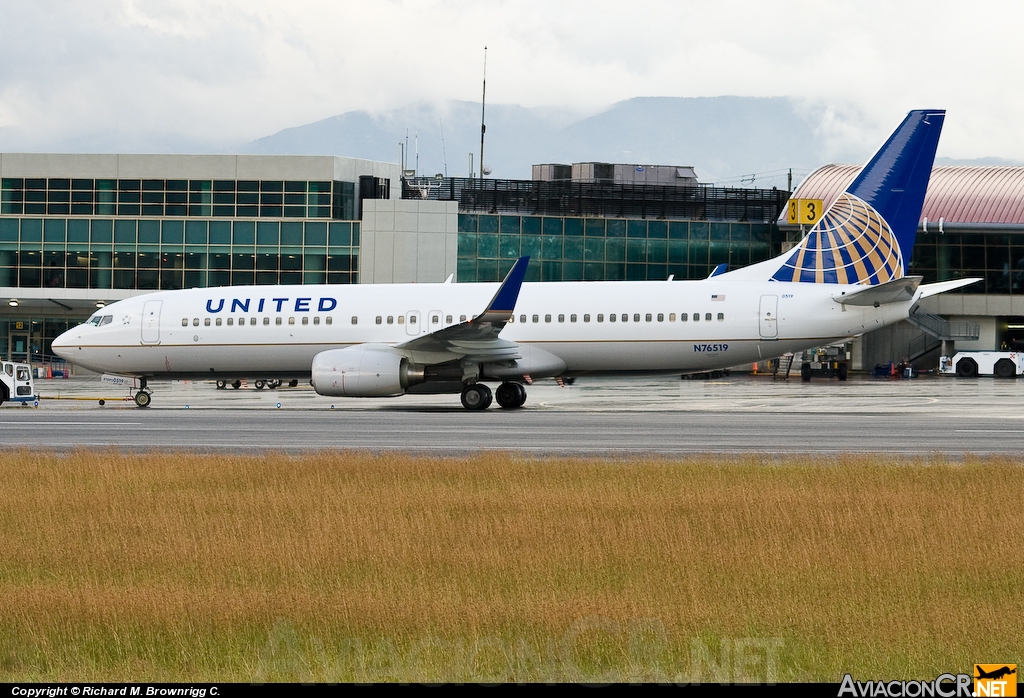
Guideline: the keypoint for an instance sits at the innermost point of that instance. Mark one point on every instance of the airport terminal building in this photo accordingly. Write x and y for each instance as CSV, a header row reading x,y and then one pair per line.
x,y
80,231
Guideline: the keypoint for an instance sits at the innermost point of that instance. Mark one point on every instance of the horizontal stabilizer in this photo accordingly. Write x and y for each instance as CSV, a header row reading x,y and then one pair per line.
x,y
895,291
943,286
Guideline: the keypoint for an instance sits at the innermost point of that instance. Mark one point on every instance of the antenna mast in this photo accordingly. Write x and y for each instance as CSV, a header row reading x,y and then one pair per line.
x,y
444,155
483,107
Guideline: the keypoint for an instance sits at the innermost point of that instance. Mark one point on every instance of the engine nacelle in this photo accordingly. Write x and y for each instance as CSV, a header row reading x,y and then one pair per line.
x,y
365,370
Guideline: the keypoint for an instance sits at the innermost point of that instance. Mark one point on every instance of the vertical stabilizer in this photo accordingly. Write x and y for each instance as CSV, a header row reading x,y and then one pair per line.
x,y
866,236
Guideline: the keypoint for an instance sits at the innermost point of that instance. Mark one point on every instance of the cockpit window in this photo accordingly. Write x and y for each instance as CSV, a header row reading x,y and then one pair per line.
x,y
107,319
94,320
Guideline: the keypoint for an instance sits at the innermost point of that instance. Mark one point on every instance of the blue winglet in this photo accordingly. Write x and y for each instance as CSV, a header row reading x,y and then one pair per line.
x,y
720,269
504,300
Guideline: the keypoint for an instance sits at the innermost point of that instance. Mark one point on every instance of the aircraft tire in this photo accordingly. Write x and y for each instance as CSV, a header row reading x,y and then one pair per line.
x,y
522,394
221,385
509,395
293,383
805,372
236,385
259,385
842,371
143,399
476,397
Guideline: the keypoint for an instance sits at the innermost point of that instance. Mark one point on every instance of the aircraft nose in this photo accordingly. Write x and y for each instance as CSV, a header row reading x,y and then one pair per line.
x,y
61,345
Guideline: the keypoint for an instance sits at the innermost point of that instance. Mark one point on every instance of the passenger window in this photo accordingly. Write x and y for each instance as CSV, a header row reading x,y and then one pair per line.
x,y
522,318
448,319
241,321
266,320
536,318
277,321
291,321
379,320
391,319
195,322
721,316
572,318
329,320
707,317
412,320
316,320
561,317
661,317
355,320
462,318
671,317
648,318
401,319
305,319
218,322
547,318
600,317
252,321
612,317
435,319
586,317
625,318
683,317
184,322
231,321
206,322
696,317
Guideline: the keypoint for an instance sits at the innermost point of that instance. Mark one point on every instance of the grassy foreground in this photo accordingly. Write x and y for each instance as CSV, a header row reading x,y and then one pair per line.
x,y
350,566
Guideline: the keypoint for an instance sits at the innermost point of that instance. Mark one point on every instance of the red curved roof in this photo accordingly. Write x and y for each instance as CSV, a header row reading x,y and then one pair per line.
x,y
956,193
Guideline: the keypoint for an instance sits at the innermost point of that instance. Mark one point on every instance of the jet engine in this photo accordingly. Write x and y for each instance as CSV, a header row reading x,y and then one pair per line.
x,y
364,370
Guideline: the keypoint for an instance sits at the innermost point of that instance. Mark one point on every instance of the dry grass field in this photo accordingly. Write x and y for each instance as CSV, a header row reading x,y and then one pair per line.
x,y
352,566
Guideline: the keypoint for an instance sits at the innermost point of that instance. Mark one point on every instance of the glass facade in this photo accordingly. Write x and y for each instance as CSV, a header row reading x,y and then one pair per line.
x,y
598,249
997,258
29,339
149,254
201,198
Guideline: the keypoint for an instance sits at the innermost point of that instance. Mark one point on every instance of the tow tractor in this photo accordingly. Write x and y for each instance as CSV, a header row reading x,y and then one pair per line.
x,y
16,384
970,364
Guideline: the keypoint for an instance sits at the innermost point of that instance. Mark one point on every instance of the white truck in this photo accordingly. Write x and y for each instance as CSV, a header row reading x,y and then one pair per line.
x,y
970,364
16,384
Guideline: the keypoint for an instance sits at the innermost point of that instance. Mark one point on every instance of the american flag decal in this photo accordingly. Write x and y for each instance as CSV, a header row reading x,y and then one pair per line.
x,y
718,296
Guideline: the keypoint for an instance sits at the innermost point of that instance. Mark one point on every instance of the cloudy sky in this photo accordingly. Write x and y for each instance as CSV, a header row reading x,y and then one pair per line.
x,y
193,75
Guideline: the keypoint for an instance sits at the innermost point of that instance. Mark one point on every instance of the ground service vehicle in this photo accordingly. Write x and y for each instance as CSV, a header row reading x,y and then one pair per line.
x,y
16,384
969,364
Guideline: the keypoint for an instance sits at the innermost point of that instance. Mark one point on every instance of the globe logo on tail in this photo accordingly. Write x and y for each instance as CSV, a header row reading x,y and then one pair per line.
x,y
851,244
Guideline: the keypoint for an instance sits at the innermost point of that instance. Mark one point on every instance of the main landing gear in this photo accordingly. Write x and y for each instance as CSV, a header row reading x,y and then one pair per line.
x,y
477,396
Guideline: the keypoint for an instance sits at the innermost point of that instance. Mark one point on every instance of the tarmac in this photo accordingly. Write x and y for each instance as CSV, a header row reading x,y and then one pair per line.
x,y
739,414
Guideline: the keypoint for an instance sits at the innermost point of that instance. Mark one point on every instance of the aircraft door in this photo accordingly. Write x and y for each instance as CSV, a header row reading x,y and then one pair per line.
x,y
769,322
434,320
412,322
151,322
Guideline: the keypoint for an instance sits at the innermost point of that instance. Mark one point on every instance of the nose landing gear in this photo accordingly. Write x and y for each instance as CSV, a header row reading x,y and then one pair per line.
x,y
144,396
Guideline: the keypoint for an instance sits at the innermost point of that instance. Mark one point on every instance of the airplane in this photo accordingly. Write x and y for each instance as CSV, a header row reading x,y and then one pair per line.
x,y
847,276
994,674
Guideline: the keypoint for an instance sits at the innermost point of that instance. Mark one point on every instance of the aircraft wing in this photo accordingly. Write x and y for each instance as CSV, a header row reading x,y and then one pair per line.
x,y
943,286
476,339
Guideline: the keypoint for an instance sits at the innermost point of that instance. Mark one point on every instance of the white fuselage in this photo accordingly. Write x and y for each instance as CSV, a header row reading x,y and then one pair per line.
x,y
275,331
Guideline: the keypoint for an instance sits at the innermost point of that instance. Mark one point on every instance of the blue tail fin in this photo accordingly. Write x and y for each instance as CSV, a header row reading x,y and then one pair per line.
x,y
866,236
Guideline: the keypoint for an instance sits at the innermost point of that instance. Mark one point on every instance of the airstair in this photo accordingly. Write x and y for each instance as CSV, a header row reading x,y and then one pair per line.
x,y
782,366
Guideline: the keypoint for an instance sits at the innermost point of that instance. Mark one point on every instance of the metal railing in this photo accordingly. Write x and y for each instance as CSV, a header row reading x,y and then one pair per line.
x,y
945,329
600,199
